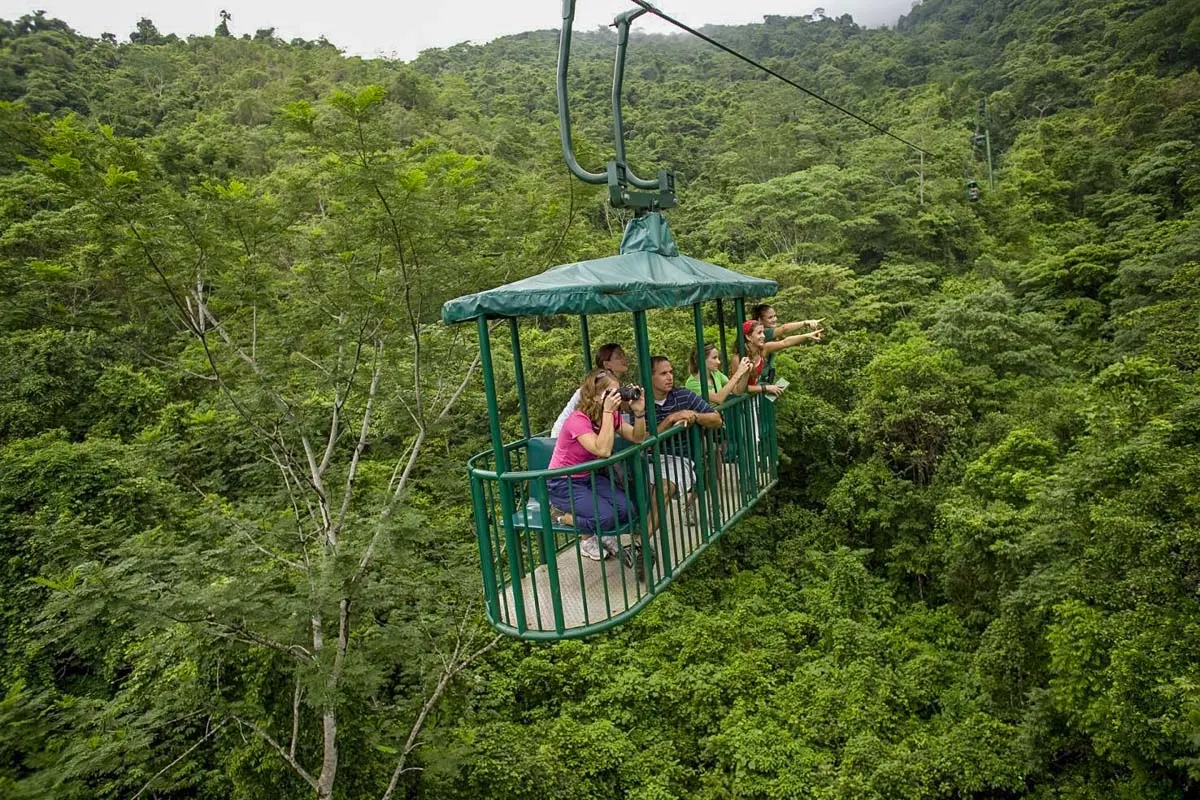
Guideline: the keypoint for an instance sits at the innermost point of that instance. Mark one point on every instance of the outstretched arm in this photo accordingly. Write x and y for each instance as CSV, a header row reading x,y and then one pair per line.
x,y
792,341
791,327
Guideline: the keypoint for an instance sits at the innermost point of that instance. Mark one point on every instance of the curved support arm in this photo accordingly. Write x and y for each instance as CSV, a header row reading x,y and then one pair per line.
x,y
564,112
623,21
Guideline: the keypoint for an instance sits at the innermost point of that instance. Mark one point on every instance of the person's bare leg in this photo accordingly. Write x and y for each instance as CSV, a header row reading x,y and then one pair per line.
x,y
668,492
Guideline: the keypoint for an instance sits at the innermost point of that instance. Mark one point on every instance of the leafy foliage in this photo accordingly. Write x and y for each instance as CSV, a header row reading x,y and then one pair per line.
x,y
238,553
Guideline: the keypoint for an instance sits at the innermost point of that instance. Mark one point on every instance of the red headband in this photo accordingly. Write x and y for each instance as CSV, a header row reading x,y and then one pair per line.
x,y
748,326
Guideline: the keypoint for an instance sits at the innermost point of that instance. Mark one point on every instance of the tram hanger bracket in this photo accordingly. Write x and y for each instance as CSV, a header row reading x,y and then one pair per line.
x,y
621,196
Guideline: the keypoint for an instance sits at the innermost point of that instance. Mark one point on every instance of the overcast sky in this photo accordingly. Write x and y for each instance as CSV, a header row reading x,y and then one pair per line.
x,y
403,28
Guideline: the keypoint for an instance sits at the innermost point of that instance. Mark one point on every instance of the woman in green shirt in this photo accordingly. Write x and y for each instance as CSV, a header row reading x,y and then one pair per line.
x,y
720,386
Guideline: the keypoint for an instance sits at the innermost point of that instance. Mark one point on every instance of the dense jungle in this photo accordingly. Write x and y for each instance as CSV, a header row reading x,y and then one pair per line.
x,y
236,549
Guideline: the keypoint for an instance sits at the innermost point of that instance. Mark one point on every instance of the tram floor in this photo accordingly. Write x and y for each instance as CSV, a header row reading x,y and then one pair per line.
x,y
594,591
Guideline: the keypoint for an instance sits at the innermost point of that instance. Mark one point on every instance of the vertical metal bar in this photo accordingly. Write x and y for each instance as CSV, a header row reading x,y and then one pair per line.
x,y
617,526
642,337
701,477
757,425
543,495
753,433
700,461
739,307
528,539
532,561
519,371
746,445
749,447
483,538
730,430
772,443
712,453
642,340
600,544
763,411
643,529
678,536
579,557
724,504
586,339
698,327
721,330
497,547
489,388
506,496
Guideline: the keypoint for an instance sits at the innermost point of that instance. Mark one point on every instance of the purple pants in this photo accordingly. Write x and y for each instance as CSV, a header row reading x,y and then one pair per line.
x,y
601,511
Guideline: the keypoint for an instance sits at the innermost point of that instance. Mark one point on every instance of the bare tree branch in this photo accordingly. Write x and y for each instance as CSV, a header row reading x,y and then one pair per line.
x,y
211,733
295,718
319,487
284,754
315,363
466,381
400,462
288,479
340,395
242,634
456,666
352,471
390,506
329,757
245,529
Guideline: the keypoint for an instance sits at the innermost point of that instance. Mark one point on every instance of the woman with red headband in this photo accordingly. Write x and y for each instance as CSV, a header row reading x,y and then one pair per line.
x,y
759,350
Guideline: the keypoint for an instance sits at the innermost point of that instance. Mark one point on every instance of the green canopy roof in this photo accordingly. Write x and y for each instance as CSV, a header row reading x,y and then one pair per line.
x,y
649,273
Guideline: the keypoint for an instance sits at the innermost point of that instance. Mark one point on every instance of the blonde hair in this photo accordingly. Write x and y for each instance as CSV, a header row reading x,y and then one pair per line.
x,y
591,394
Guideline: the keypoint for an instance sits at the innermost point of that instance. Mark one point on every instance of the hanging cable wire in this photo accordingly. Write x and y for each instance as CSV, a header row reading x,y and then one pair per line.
x,y
682,26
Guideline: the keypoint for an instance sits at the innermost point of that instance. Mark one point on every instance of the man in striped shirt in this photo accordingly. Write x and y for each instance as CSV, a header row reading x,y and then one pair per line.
x,y
677,406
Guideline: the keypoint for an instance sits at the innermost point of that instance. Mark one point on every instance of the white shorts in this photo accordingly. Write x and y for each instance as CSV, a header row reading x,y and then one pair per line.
x,y
676,469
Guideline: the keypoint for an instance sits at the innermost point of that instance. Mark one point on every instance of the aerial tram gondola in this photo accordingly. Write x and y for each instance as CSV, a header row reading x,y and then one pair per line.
x,y
981,148
537,584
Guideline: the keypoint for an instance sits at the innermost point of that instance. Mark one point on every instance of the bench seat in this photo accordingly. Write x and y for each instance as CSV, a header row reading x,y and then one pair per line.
x,y
528,516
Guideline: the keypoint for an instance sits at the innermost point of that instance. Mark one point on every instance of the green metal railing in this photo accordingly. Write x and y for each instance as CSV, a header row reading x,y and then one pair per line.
x,y
537,582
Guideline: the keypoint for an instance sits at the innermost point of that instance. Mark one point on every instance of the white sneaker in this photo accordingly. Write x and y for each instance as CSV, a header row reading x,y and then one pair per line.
x,y
611,546
590,548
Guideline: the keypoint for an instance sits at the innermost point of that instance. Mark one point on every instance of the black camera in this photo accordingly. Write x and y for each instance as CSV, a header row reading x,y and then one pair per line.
x,y
629,393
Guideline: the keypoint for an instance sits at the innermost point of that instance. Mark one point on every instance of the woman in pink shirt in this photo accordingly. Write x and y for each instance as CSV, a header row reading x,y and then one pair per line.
x,y
590,499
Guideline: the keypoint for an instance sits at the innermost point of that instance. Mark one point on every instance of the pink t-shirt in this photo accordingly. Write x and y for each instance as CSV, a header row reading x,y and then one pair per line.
x,y
567,450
